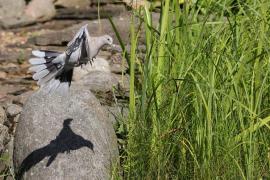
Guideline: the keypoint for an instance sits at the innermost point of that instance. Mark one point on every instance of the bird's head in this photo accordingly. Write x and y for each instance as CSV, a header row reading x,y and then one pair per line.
x,y
106,39
67,122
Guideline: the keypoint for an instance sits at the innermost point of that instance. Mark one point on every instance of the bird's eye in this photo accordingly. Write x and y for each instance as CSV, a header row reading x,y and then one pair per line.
x,y
108,39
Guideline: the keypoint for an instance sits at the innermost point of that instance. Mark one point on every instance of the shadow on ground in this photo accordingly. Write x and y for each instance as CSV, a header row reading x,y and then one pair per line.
x,y
66,141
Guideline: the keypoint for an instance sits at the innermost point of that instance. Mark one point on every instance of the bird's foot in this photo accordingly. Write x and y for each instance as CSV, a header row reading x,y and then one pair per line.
x,y
91,61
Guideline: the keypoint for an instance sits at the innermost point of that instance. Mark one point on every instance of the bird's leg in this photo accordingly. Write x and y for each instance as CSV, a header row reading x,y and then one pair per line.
x,y
92,60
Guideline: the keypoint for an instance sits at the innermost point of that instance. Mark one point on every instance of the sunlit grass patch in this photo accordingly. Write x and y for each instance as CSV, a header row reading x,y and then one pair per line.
x,y
200,109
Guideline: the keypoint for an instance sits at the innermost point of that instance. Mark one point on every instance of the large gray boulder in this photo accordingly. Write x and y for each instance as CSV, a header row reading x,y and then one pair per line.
x,y
64,137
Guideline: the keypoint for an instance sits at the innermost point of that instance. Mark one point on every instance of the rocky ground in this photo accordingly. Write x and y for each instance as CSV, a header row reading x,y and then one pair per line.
x,y
107,77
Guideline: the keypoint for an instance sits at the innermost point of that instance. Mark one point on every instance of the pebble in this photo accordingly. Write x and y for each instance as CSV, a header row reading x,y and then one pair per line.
x,y
13,110
3,75
21,99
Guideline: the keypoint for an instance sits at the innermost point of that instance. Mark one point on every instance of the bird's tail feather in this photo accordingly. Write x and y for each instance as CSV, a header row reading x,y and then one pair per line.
x,y
48,68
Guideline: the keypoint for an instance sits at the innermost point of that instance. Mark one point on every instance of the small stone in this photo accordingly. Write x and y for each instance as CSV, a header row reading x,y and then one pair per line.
x,y
2,96
3,116
13,110
136,4
116,112
118,64
10,178
11,67
3,74
99,81
99,64
6,101
40,10
21,99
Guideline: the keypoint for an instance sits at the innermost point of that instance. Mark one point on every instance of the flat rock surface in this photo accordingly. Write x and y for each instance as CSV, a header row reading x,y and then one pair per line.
x,y
13,110
64,138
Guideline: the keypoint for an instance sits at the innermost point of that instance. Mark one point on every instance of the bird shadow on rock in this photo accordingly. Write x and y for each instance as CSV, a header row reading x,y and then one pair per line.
x,y
64,142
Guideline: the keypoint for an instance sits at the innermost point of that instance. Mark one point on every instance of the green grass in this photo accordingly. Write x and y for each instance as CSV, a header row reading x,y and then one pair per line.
x,y
6,169
200,108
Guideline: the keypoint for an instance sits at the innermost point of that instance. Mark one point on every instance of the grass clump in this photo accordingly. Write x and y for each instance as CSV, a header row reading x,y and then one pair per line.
x,y
200,108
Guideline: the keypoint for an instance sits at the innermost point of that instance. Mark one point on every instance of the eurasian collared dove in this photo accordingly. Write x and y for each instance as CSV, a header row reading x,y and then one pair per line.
x,y
53,70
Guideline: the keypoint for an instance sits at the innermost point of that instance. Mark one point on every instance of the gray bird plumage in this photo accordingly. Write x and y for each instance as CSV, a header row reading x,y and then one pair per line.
x,y
53,70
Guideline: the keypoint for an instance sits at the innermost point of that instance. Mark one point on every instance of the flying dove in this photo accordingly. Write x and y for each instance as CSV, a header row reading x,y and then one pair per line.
x,y
53,70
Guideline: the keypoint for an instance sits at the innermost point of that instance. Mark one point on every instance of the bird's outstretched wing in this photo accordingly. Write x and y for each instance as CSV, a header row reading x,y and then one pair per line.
x,y
78,48
54,70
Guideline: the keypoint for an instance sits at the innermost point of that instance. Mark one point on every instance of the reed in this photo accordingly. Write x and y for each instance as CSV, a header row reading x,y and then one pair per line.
x,y
200,108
